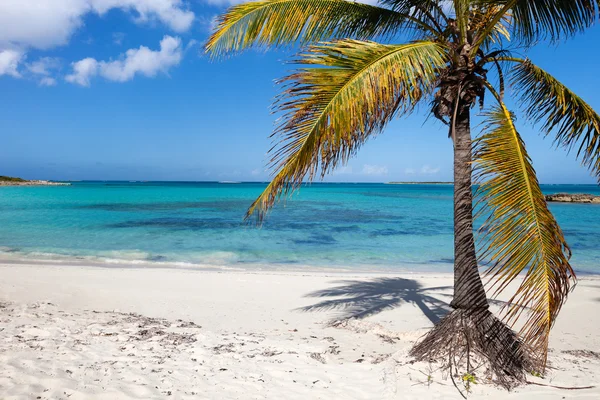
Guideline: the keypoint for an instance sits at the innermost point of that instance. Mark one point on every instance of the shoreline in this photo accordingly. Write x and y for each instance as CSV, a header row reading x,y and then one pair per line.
x,y
245,267
111,263
32,183
125,333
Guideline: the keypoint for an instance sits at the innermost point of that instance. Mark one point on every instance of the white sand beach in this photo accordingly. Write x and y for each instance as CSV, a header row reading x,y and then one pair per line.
x,y
85,332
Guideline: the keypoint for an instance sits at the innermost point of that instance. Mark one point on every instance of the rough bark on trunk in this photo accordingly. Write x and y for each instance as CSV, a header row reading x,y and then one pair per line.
x,y
471,330
468,287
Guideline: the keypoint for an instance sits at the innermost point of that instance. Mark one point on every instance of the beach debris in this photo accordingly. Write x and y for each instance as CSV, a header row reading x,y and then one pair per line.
x,y
187,324
583,353
224,348
318,356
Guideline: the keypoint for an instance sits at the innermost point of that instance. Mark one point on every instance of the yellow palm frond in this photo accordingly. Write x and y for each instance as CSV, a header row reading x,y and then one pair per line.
x,y
560,111
280,22
520,234
349,90
480,18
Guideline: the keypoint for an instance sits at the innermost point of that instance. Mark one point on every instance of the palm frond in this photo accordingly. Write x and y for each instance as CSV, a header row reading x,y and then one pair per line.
x,y
349,91
560,111
535,19
520,233
425,10
490,33
539,19
461,11
281,22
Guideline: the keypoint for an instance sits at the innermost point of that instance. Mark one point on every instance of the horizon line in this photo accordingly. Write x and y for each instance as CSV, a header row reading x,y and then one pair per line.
x,y
268,181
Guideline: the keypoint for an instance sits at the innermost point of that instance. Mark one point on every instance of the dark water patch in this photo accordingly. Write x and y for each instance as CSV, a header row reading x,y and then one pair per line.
x,y
347,228
442,261
179,224
157,257
10,250
584,245
353,215
574,233
316,239
389,232
286,225
169,206
299,202
240,206
417,230
410,196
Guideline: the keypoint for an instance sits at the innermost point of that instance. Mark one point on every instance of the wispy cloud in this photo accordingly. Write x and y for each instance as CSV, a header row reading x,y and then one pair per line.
x,y
47,81
345,170
374,170
43,66
142,60
118,38
427,170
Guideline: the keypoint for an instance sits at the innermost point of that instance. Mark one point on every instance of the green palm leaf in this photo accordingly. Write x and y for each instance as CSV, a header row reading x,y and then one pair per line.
x,y
520,233
351,91
539,19
535,19
425,10
279,22
560,111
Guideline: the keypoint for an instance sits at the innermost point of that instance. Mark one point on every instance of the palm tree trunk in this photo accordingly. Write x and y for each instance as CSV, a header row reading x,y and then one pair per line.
x,y
471,328
468,287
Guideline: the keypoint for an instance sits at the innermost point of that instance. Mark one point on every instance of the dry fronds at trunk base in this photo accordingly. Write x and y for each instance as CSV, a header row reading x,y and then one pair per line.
x,y
477,343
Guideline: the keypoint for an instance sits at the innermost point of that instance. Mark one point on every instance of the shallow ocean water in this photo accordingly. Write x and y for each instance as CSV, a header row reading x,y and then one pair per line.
x,y
323,226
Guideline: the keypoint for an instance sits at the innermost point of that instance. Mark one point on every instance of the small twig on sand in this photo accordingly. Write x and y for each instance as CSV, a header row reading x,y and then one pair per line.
x,y
561,387
452,377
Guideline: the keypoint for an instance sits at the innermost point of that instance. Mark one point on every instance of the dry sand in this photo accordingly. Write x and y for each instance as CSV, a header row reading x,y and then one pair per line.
x,y
77,332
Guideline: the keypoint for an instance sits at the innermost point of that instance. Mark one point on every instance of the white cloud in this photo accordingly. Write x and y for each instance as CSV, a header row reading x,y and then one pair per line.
x,y
9,62
83,70
374,170
47,81
409,171
43,66
427,170
171,12
142,61
224,3
47,24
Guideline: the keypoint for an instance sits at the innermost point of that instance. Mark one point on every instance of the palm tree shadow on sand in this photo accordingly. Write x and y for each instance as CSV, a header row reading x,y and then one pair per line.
x,y
361,299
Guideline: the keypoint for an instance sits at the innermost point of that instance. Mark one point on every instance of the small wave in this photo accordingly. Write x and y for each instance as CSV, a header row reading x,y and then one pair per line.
x,y
214,260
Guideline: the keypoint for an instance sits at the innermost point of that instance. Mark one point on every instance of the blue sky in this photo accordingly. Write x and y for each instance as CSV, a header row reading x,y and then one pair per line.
x,y
119,89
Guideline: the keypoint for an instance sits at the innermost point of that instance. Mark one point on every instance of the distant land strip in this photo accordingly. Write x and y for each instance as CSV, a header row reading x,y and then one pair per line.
x,y
12,181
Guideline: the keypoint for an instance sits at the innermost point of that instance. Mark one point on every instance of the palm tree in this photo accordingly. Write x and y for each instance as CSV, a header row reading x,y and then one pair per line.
x,y
354,79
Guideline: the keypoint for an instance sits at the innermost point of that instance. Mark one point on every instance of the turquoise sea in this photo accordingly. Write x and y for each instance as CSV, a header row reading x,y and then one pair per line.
x,y
199,225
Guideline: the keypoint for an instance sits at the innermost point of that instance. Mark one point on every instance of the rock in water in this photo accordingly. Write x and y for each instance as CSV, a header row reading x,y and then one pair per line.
x,y
573,198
